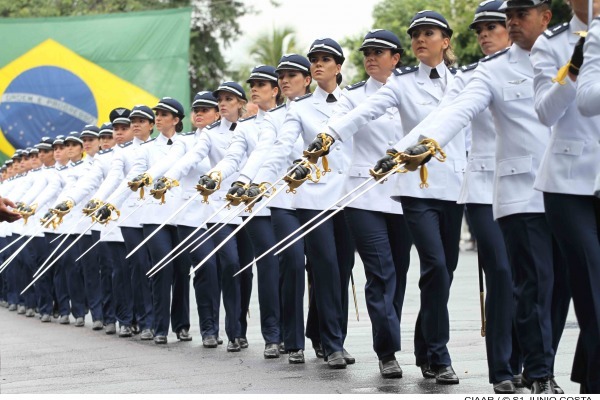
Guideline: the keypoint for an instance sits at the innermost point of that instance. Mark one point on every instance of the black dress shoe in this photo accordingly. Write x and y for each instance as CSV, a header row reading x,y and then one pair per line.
x,y
348,357
504,387
426,371
542,386
336,360
135,329
446,376
296,357
518,381
390,369
243,342
271,350
159,339
210,342
282,349
557,389
219,340
234,347
319,350
184,335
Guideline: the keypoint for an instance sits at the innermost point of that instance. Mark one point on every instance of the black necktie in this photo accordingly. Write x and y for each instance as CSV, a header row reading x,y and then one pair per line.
x,y
434,74
331,98
232,127
169,142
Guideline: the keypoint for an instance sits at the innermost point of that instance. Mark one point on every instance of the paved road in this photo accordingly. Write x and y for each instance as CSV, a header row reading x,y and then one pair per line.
x,y
51,358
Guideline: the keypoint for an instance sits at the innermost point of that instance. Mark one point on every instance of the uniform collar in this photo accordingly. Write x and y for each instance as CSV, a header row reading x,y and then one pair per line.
x,y
373,85
441,69
260,115
225,123
162,139
320,94
137,141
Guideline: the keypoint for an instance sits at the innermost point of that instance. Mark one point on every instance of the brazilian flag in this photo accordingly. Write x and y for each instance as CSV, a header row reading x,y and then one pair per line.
x,y
59,74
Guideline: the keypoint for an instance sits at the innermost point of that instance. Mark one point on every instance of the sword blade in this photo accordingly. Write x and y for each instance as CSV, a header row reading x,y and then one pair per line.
x,y
51,255
282,241
240,226
340,208
59,256
74,227
222,222
173,215
11,243
354,295
169,254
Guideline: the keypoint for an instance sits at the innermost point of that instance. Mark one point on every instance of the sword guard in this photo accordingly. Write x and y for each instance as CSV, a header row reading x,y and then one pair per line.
x,y
113,210
168,183
204,191
60,214
27,212
234,200
91,207
143,180
294,183
264,191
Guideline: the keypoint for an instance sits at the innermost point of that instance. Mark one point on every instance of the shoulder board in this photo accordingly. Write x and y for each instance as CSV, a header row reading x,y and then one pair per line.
x,y
37,169
148,141
126,144
74,164
453,70
306,96
247,119
469,67
62,168
496,54
278,107
188,133
11,178
355,85
213,125
556,30
50,167
105,151
405,70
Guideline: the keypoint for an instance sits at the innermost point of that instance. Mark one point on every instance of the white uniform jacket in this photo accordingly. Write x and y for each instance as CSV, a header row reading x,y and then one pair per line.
x,y
415,95
213,142
572,158
305,118
370,142
504,83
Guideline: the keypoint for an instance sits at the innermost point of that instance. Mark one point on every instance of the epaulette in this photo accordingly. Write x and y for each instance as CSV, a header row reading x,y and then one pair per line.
x,y
453,70
62,168
247,119
556,30
355,85
37,169
148,141
306,96
496,54
74,164
469,67
278,107
213,125
405,70
123,145
104,151
50,167
188,133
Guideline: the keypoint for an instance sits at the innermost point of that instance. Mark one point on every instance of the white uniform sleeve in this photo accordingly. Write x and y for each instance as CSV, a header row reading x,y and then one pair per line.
x,y
235,153
192,158
175,154
114,177
588,90
55,185
39,186
266,137
551,99
140,165
86,184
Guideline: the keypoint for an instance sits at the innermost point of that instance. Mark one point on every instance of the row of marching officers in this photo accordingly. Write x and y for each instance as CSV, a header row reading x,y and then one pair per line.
x,y
513,139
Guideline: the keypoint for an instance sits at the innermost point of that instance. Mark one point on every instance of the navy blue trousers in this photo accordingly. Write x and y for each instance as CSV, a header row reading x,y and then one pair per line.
x,y
105,261
532,255
91,274
3,256
229,263
291,278
140,284
246,255
26,269
173,277
499,300
59,278
262,236
75,283
118,282
331,253
312,318
206,286
575,224
383,243
435,228
44,283
11,274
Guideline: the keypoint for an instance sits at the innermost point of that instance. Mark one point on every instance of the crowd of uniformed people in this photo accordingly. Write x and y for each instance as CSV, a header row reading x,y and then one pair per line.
x,y
114,219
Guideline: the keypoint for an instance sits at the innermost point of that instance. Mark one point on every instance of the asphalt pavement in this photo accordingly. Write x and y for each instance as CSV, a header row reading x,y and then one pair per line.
x,y
53,358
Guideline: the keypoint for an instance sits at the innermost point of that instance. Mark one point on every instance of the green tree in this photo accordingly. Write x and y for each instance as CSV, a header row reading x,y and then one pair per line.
x,y
213,22
395,15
